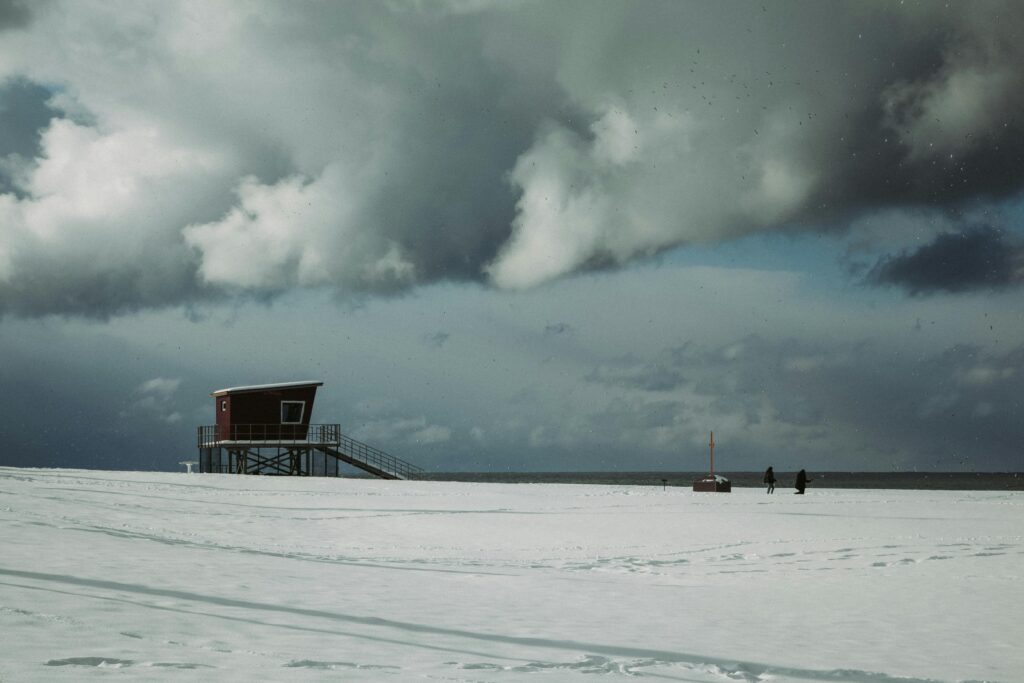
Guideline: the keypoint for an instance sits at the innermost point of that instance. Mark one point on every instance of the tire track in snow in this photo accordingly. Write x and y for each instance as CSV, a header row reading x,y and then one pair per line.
x,y
750,671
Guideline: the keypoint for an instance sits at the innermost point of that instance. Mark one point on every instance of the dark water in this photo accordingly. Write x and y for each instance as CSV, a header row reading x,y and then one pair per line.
x,y
953,481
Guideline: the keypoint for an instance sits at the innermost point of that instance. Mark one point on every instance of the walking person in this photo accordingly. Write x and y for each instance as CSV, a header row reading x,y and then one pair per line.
x,y
801,481
769,478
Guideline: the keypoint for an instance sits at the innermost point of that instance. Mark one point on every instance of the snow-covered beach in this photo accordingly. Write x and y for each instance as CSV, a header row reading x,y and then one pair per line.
x,y
136,574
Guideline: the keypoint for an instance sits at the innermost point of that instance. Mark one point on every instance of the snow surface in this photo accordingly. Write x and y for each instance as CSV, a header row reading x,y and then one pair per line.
x,y
142,575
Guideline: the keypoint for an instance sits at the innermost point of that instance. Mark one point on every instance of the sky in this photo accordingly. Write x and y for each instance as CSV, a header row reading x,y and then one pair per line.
x,y
518,236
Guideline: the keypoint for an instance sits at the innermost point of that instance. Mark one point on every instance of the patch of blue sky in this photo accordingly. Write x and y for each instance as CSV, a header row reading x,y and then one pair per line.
x,y
814,255
1013,212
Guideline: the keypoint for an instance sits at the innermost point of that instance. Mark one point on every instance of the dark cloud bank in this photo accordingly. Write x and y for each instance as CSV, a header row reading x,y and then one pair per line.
x,y
955,262
370,148
13,14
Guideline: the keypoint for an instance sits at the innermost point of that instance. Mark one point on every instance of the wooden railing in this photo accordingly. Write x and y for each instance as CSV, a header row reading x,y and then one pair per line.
x,y
325,434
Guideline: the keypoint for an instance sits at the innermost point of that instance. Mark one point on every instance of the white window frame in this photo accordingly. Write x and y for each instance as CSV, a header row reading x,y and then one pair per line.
x,y
223,405
302,413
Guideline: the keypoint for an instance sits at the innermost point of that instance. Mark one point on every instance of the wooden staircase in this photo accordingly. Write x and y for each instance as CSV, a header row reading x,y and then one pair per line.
x,y
370,459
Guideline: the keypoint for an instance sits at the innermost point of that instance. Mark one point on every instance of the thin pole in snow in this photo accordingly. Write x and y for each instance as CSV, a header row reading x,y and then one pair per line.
x,y
711,444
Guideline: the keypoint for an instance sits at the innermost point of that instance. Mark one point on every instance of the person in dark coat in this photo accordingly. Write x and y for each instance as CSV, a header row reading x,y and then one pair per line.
x,y
801,481
769,478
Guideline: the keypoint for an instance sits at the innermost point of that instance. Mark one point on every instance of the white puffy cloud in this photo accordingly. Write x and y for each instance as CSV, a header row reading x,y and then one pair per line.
x,y
297,233
98,224
639,183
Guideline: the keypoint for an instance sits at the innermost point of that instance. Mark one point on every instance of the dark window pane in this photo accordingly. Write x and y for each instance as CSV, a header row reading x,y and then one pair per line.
x,y
291,411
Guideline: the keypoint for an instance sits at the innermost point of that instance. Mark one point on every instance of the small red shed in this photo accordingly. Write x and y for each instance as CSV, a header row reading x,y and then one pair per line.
x,y
265,411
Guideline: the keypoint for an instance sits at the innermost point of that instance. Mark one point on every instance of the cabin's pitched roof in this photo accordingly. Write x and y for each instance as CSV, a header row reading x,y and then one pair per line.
x,y
266,387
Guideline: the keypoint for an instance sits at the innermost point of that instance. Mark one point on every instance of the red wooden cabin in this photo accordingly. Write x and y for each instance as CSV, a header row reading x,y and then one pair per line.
x,y
263,412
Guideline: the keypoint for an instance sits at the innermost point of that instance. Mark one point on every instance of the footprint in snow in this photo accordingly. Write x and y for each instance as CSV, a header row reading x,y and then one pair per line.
x,y
109,662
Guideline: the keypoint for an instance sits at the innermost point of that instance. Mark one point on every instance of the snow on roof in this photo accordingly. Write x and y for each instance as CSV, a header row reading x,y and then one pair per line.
x,y
262,387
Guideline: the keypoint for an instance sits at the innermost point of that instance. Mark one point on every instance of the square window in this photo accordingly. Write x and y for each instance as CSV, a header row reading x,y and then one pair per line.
x,y
291,412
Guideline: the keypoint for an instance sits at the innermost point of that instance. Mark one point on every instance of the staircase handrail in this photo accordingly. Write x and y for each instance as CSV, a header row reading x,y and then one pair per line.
x,y
375,457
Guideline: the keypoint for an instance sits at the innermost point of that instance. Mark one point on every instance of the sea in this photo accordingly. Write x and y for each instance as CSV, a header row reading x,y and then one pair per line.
x,y
952,481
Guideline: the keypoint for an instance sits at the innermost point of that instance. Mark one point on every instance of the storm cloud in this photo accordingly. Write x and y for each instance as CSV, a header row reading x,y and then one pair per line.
x,y
195,152
955,262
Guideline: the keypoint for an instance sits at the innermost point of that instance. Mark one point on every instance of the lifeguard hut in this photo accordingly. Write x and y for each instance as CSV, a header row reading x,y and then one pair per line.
x,y
266,429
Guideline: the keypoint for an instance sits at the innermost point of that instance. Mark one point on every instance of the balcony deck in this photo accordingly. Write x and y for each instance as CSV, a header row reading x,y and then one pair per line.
x,y
210,436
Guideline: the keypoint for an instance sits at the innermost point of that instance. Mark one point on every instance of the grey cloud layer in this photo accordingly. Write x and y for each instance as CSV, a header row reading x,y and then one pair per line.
x,y
217,149
778,399
598,372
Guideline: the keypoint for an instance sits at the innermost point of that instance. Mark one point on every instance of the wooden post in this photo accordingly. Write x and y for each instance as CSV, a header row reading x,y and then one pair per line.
x,y
712,446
